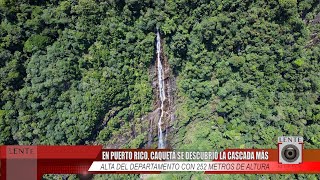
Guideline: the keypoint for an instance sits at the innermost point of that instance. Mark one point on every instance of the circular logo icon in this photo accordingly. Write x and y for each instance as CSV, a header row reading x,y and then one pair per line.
x,y
290,153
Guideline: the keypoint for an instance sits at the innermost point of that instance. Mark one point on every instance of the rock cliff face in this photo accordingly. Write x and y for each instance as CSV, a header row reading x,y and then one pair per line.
x,y
168,103
147,125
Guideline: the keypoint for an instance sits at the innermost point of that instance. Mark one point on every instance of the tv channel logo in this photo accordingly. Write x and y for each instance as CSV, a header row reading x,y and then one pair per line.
x,y
290,149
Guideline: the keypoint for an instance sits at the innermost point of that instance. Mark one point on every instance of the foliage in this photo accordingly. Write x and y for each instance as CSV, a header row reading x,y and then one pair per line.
x,y
77,72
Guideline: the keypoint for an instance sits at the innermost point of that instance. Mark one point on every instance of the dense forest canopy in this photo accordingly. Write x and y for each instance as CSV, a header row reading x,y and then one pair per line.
x,y
78,71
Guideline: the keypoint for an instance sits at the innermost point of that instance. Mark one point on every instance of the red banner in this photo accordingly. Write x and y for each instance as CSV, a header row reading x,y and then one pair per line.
x,y
32,162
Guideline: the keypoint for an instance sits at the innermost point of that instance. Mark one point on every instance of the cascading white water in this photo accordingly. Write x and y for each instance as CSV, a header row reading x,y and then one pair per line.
x,y
162,94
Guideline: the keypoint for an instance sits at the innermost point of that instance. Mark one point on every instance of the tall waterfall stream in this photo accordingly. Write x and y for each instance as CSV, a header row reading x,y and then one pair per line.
x,y
162,95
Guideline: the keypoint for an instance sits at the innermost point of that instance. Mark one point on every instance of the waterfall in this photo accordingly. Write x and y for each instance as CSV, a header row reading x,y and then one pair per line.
x,y
162,94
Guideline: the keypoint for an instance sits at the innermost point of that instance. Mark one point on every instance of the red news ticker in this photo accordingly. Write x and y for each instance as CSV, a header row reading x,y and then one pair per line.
x,y
32,162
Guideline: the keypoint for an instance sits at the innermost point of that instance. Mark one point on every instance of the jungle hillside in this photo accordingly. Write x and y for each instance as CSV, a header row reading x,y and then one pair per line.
x,y
243,72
